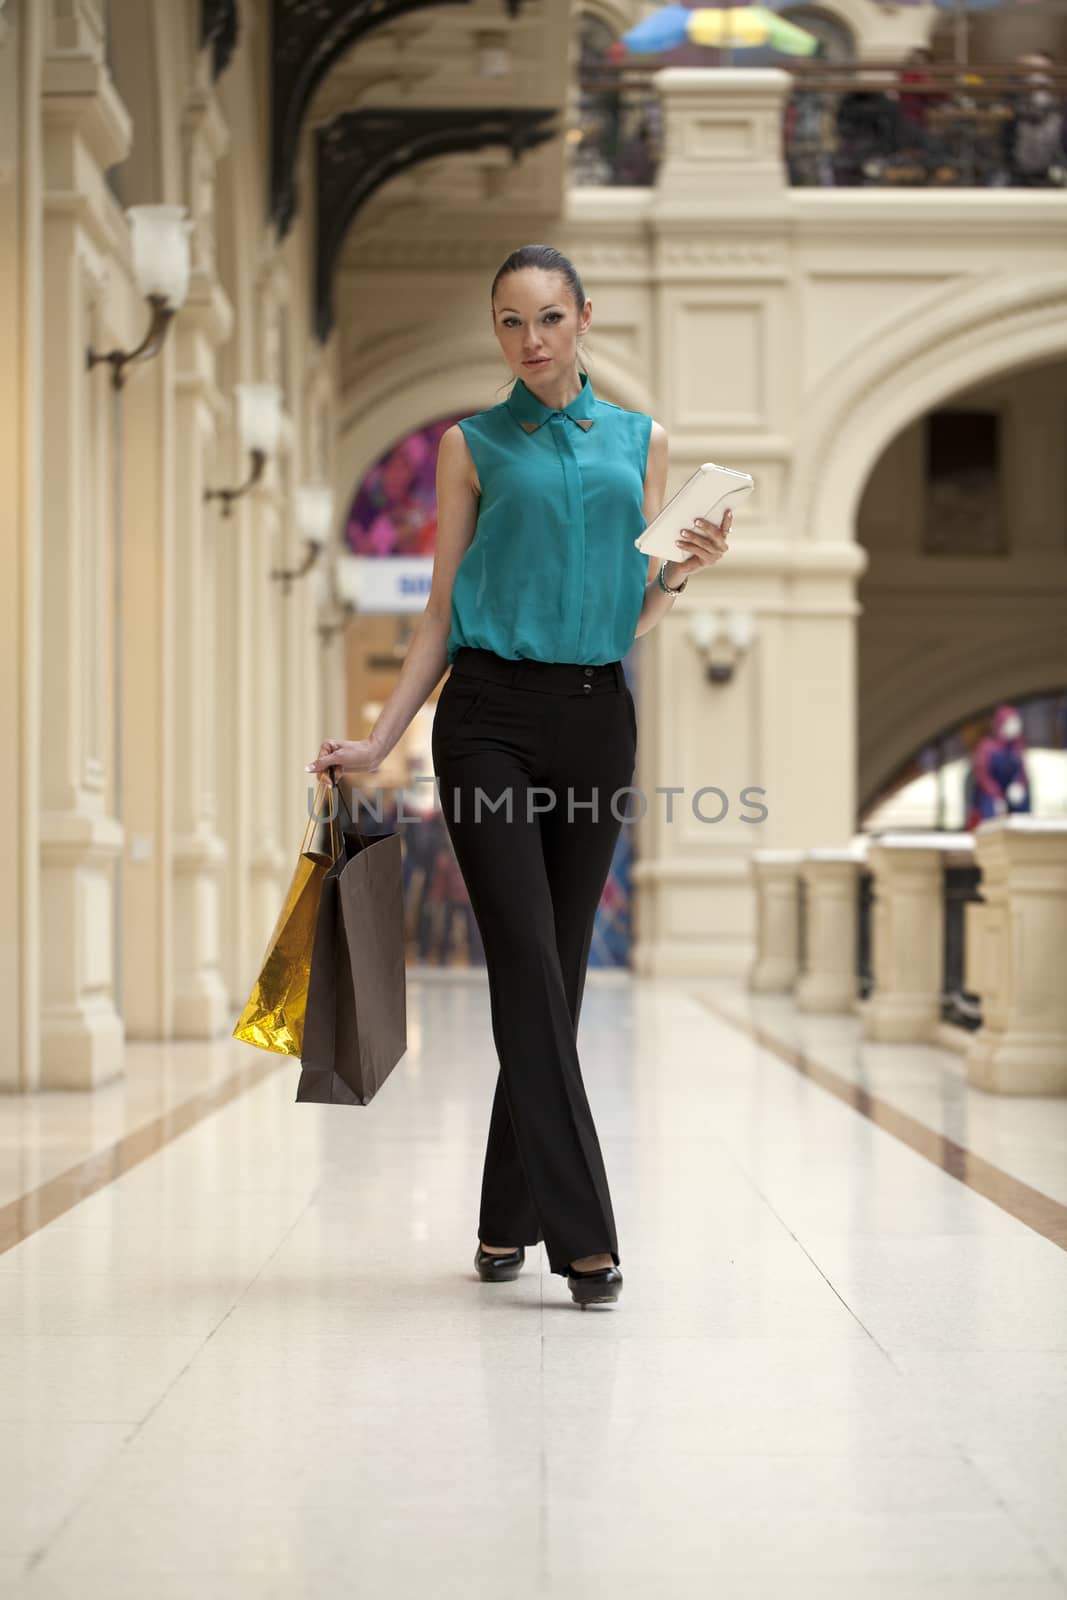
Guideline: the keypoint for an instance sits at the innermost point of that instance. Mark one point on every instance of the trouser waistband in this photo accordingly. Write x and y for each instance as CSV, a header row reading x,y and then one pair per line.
x,y
551,677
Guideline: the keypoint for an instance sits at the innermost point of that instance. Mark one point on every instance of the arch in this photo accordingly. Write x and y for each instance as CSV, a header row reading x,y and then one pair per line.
x,y
935,690
862,18
965,334
410,392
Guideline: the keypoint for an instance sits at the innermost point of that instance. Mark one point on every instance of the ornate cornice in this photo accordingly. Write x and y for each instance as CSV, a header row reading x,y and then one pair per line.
x,y
361,150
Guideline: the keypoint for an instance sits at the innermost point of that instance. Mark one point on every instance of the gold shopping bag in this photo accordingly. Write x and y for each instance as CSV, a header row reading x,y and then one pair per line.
x,y
273,1018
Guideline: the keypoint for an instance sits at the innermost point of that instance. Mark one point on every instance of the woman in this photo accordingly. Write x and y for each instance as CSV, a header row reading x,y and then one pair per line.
x,y
537,592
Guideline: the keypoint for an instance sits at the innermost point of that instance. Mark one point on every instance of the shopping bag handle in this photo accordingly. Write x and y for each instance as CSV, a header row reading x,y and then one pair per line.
x,y
331,789
322,788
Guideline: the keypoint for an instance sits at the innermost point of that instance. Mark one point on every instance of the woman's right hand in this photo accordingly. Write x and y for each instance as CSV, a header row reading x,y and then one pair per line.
x,y
350,755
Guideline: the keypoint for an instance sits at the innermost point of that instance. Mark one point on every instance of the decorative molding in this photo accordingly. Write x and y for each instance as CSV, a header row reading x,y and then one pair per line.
x,y
439,249
361,150
219,28
597,258
699,255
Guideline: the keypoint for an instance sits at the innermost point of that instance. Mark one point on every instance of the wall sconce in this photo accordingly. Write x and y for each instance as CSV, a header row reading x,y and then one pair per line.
x,y
259,425
346,570
159,242
723,639
314,518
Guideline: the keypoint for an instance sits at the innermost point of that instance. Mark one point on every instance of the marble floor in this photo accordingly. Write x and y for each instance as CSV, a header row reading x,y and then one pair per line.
x,y
244,1354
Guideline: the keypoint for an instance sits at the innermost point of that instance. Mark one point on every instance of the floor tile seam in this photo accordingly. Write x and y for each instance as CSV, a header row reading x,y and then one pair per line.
x,y
1039,1212
26,1215
137,1428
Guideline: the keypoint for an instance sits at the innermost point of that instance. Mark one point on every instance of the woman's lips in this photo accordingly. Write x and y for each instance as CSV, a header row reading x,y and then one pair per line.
x,y
540,362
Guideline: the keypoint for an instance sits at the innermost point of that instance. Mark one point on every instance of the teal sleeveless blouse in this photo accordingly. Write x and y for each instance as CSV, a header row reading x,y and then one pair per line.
x,y
551,573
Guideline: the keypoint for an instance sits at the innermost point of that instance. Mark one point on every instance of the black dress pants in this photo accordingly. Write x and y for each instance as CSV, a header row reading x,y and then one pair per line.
x,y
534,761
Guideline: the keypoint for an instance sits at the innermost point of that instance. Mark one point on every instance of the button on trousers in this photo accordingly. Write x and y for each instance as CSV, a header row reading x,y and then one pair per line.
x,y
534,761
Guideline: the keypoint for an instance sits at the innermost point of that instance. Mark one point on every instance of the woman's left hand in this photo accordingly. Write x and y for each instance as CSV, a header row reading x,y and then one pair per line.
x,y
706,541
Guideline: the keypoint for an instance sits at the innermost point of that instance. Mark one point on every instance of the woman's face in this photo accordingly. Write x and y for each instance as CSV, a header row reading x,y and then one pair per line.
x,y
537,323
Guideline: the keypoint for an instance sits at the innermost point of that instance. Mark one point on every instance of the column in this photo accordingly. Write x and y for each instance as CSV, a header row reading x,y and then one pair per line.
x,y
201,1003
908,934
831,925
777,738
20,539
1016,939
85,131
776,874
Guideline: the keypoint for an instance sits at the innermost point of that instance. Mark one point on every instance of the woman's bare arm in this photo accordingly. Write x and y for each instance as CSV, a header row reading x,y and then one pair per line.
x,y
656,603
427,654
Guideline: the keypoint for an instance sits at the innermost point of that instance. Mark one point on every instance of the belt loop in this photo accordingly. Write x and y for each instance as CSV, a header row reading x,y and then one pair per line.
x,y
620,675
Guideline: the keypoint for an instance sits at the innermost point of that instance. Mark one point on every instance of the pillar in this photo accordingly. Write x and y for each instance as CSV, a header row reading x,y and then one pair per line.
x,y
776,874
1016,938
201,1002
85,131
831,925
908,934
781,730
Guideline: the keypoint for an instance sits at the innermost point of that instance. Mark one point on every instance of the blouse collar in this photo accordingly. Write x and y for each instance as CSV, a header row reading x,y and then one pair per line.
x,y
530,412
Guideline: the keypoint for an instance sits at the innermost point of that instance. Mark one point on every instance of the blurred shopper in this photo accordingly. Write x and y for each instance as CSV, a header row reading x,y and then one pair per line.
x,y
998,781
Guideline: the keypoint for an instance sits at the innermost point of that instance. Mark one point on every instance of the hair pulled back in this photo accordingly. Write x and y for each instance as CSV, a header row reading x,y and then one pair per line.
x,y
549,259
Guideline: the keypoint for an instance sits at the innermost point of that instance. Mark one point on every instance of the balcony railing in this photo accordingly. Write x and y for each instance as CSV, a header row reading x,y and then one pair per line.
x,y
846,127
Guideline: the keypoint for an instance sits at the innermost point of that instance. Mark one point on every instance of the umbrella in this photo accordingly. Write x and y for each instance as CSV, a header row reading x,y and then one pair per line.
x,y
727,27
749,27
663,30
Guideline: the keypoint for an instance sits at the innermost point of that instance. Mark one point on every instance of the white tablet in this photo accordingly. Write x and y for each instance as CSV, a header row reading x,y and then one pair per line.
x,y
709,493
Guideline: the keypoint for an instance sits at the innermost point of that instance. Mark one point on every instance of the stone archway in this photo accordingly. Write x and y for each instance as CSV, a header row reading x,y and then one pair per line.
x,y
959,341
960,337
933,695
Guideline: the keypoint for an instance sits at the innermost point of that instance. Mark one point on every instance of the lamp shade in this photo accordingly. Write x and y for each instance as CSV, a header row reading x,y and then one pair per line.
x,y
742,629
703,628
314,512
159,241
259,416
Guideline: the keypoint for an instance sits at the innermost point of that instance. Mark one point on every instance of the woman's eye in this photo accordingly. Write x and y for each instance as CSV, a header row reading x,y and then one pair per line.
x,y
553,316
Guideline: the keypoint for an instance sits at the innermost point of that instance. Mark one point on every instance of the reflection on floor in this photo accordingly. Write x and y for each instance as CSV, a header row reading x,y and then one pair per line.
x,y
258,1363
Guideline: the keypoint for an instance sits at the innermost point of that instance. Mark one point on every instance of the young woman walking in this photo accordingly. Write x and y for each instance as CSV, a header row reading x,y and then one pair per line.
x,y
537,593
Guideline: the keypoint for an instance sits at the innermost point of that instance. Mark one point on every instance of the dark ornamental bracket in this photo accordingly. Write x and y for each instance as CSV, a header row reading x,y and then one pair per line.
x,y
361,150
218,30
308,38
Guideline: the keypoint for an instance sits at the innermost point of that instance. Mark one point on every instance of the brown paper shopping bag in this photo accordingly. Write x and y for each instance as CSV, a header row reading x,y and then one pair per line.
x,y
356,1025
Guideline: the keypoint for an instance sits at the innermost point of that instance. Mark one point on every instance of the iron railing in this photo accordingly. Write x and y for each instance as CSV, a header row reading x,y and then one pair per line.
x,y
845,127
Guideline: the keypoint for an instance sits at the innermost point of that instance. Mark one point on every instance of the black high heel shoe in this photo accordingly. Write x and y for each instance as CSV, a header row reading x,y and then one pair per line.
x,y
600,1287
494,1268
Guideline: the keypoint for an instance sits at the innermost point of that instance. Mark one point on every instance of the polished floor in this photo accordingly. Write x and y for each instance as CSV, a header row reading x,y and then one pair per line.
x,y
244,1353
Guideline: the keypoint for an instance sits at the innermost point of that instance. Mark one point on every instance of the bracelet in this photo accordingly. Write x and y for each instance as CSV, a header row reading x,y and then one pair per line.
x,y
666,587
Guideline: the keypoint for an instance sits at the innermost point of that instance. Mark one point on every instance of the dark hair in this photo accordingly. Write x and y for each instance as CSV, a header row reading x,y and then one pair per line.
x,y
549,259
